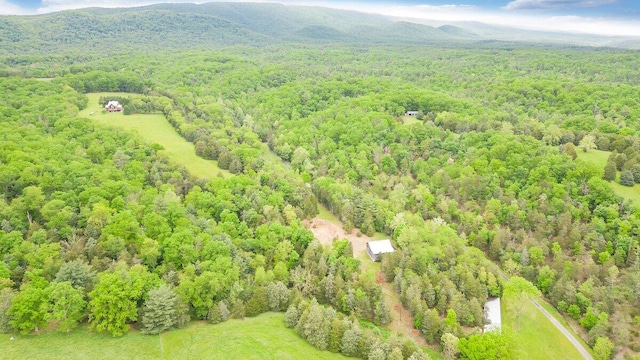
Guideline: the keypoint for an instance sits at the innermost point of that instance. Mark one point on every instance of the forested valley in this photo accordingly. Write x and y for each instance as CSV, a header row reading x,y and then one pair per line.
x,y
492,176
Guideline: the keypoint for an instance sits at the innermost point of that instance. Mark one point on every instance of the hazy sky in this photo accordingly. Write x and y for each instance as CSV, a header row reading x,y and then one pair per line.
x,y
606,17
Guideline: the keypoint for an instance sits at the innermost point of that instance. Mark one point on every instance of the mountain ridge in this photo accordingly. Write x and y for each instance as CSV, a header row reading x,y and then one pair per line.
x,y
213,25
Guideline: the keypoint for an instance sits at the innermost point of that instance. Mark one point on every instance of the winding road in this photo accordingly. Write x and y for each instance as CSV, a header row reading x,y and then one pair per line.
x,y
572,339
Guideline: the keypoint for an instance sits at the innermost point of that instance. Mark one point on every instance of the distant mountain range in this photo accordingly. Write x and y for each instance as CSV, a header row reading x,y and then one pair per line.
x,y
167,26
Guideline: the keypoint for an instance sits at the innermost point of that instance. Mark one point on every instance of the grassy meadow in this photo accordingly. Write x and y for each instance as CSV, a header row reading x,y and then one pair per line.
x,y
536,336
154,128
599,158
262,337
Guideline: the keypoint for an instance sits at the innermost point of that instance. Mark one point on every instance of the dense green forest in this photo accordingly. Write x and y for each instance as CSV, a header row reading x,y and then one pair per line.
x,y
99,227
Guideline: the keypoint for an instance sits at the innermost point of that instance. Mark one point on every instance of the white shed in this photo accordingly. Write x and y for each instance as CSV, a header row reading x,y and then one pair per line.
x,y
379,247
493,315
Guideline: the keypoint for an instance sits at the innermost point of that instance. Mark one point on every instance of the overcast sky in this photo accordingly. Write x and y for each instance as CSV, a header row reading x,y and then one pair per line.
x,y
605,17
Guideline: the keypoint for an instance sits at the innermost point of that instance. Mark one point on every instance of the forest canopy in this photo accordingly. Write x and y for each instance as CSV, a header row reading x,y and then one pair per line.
x,y
494,171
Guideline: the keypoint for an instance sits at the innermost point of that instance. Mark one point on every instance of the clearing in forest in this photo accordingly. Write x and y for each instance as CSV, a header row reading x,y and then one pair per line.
x,y
327,228
536,336
262,337
599,158
154,128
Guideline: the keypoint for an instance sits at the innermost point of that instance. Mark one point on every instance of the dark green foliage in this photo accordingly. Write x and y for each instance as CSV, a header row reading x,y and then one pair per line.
x,y
291,316
570,149
160,311
258,303
609,171
635,170
78,273
278,296
476,179
626,178
6,296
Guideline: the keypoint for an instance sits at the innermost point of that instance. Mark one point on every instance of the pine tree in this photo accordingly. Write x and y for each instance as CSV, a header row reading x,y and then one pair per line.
x,y
160,310
258,303
626,178
292,316
609,171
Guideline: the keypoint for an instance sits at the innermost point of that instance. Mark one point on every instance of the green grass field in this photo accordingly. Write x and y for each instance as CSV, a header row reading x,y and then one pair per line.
x,y
599,158
408,120
262,337
154,128
537,337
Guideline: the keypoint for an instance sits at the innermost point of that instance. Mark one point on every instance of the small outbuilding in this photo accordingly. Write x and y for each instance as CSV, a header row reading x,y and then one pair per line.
x,y
411,113
113,106
493,315
376,248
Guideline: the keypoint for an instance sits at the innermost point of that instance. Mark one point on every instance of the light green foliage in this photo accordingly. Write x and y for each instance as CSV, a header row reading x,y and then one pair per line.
x,y
490,345
518,291
587,143
28,311
262,337
476,179
603,348
66,305
113,302
450,346
154,128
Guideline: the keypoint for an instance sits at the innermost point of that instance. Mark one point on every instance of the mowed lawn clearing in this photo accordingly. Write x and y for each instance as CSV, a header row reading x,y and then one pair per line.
x,y
262,337
154,128
536,336
599,158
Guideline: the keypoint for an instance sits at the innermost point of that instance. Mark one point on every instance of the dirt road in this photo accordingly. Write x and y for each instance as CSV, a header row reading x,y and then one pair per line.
x,y
572,339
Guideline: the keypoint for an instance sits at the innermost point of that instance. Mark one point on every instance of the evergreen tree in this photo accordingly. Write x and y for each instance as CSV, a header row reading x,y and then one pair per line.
x,y
278,296
160,310
635,170
350,343
78,273
258,303
291,316
626,178
609,171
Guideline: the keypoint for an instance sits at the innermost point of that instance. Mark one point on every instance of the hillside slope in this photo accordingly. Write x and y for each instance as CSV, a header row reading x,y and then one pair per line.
x,y
168,26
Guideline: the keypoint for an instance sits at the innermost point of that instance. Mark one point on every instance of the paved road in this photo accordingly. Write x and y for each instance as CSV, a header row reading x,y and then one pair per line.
x,y
577,344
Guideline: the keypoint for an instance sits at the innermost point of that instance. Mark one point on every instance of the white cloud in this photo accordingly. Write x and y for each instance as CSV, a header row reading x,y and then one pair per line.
x,y
7,8
554,4
441,14
464,13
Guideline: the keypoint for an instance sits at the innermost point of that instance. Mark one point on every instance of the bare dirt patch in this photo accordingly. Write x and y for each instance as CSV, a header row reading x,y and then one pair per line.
x,y
327,232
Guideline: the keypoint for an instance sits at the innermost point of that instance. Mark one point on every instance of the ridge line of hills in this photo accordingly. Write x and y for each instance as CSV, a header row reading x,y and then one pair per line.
x,y
213,25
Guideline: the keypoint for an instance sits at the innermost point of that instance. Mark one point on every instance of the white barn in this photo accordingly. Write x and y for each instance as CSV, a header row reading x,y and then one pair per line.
x,y
493,315
379,247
